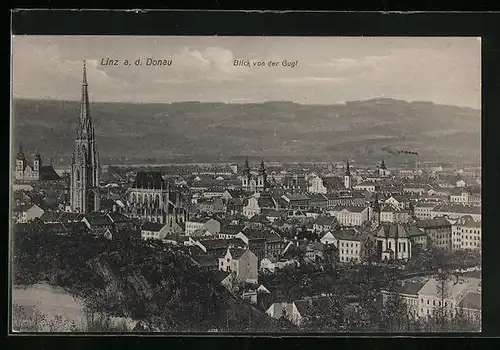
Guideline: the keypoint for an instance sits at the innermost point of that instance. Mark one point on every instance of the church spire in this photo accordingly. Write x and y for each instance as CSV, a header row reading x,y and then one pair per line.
x,y
84,104
84,188
262,166
347,170
246,168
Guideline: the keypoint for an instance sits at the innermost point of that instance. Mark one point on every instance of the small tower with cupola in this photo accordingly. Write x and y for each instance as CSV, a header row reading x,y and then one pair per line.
x,y
20,163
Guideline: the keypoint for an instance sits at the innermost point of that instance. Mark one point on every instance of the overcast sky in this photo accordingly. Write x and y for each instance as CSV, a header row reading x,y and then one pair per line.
x,y
330,70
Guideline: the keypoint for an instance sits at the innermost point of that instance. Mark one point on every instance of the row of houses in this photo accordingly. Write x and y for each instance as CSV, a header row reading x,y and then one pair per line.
x,y
429,210
391,241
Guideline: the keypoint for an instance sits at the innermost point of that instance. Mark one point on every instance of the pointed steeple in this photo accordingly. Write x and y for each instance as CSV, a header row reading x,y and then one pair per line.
x,y
262,168
376,204
246,167
347,170
84,104
382,165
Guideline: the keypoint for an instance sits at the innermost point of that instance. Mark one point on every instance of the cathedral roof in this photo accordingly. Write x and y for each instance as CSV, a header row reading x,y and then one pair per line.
x,y
152,180
47,172
391,230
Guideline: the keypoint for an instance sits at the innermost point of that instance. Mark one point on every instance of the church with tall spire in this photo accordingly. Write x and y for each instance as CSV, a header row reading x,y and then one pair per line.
x,y
85,168
347,176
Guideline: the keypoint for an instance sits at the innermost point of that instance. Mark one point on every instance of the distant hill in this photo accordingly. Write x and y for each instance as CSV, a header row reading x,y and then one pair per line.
x,y
193,131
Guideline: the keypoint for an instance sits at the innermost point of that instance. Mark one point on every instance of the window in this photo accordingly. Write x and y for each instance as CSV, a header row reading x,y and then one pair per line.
x,y
427,301
434,302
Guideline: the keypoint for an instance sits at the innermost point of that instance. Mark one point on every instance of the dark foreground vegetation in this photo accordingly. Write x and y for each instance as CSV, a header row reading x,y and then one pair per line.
x,y
144,281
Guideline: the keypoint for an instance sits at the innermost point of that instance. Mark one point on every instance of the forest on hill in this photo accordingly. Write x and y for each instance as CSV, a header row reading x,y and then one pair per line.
x,y
278,131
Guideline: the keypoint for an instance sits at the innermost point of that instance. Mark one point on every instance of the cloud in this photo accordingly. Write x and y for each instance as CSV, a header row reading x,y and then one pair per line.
x,y
46,72
216,63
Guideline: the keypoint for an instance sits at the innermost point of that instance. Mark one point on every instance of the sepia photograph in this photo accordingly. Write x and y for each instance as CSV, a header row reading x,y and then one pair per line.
x,y
239,184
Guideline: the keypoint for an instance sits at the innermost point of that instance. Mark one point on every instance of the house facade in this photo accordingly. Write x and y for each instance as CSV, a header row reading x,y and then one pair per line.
x,y
367,186
29,213
349,246
439,232
325,224
351,216
466,234
409,293
242,262
435,295
252,208
209,224
152,230
423,210
316,185
456,211
389,213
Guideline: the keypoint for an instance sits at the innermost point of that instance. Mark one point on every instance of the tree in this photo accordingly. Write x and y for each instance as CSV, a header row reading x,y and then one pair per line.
x,y
283,323
395,316
326,315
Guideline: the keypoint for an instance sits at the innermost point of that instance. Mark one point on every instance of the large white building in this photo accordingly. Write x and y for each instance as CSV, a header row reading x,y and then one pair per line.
x,y
427,295
435,295
350,215
350,245
456,211
390,213
423,210
466,234
466,197
209,224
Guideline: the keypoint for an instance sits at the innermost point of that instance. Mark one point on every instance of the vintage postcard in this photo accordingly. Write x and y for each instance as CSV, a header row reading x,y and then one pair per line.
x,y
219,184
